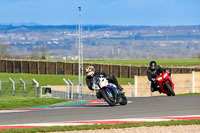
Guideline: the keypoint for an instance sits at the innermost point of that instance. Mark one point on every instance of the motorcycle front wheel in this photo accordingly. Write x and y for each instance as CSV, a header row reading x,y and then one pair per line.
x,y
108,97
169,87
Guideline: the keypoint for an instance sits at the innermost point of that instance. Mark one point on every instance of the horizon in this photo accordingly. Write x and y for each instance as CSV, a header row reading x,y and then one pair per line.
x,y
37,24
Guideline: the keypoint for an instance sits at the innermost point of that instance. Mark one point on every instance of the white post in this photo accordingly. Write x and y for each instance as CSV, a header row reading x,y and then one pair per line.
x,y
72,88
136,85
190,87
37,85
13,82
132,88
0,88
193,81
82,91
24,86
67,83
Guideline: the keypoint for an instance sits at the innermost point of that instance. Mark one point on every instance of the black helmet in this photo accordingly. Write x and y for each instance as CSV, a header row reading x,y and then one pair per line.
x,y
152,65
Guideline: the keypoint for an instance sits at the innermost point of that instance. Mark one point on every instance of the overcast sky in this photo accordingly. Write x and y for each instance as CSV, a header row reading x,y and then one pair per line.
x,y
111,12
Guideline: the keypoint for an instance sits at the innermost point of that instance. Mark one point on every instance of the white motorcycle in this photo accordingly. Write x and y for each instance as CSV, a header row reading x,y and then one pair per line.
x,y
108,91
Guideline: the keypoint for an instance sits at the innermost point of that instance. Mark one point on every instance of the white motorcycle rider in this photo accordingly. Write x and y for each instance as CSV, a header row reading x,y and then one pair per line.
x,y
105,89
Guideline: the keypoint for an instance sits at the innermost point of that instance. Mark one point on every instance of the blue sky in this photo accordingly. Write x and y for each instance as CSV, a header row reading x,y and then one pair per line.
x,y
111,12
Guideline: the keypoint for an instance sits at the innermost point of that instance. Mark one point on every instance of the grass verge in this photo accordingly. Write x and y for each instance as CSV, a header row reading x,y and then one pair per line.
x,y
185,94
20,102
188,94
145,62
95,127
43,79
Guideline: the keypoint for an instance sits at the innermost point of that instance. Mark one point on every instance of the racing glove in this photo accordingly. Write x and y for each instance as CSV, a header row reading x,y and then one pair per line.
x,y
154,80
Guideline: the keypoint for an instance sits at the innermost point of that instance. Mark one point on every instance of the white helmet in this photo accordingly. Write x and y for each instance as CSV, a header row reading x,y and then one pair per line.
x,y
90,71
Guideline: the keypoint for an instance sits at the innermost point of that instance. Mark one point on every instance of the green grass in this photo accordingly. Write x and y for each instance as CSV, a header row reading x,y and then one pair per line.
x,y
188,94
185,94
44,79
145,62
95,127
20,102
135,62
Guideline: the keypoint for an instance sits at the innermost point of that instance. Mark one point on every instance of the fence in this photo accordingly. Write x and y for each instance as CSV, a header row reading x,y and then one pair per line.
x,y
184,83
68,91
41,67
17,87
31,88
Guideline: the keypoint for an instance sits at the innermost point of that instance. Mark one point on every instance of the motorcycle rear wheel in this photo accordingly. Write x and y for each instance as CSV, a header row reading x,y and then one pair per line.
x,y
107,99
170,90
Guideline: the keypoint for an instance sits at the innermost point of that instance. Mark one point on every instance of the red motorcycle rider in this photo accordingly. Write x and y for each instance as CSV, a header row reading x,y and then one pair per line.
x,y
151,73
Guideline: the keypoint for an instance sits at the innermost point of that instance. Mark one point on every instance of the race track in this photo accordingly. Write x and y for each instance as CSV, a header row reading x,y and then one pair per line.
x,y
137,108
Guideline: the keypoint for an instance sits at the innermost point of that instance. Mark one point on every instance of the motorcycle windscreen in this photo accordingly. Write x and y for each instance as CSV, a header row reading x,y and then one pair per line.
x,y
159,72
96,79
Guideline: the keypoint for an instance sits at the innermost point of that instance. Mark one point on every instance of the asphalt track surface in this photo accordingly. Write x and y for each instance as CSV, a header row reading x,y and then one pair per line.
x,y
138,108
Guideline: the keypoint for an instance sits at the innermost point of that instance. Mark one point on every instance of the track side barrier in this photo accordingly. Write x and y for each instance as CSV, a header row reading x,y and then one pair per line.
x,y
132,88
13,82
37,87
24,86
68,88
72,88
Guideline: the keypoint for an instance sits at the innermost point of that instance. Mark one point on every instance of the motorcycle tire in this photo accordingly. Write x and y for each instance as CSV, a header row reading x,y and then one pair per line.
x,y
107,99
123,100
170,89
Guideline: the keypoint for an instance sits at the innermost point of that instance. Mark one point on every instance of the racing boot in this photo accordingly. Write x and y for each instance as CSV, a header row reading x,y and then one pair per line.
x,y
120,89
98,95
158,88
152,89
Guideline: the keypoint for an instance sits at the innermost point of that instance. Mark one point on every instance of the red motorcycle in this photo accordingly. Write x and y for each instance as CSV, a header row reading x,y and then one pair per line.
x,y
164,82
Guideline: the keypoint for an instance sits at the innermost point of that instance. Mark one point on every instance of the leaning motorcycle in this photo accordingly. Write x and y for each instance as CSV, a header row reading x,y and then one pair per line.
x,y
108,91
164,82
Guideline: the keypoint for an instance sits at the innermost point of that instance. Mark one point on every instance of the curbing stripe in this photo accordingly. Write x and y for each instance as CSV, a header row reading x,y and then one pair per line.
x,y
110,121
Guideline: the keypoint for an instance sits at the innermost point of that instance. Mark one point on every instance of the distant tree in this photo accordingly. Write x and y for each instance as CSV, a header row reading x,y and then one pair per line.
x,y
35,54
198,55
4,51
44,50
